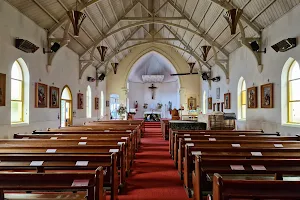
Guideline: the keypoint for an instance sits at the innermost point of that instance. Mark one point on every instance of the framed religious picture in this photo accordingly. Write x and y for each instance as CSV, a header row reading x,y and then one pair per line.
x,y
96,103
192,103
252,97
79,101
2,89
209,100
54,97
41,95
218,106
214,107
218,93
107,103
227,101
266,96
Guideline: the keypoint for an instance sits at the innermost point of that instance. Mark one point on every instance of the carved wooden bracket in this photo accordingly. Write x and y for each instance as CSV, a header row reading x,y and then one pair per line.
x,y
192,65
245,42
232,17
224,67
115,67
76,17
205,50
62,42
102,51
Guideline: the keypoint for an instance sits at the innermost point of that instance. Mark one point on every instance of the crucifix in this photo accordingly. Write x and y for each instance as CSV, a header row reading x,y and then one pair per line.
x,y
152,88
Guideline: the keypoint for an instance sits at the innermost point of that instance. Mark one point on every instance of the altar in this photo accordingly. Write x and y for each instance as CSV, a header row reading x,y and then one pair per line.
x,y
152,116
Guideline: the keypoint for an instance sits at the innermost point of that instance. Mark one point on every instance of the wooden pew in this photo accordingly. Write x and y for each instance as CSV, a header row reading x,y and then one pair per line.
x,y
128,153
52,149
241,168
92,131
177,136
254,189
245,153
229,142
92,182
44,163
165,128
212,132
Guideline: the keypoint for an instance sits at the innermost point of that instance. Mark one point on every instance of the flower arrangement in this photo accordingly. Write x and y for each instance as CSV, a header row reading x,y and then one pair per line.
x,y
159,105
145,106
121,110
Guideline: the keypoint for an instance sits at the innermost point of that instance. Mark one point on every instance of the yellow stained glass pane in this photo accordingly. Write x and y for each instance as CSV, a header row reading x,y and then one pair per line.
x,y
244,97
244,111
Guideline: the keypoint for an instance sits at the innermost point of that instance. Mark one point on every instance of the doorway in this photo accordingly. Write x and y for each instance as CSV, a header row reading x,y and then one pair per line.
x,y
114,106
66,114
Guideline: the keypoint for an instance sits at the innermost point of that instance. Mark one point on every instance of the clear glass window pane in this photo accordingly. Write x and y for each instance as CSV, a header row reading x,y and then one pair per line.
x,y
16,111
294,71
16,90
294,90
244,111
16,71
102,104
295,112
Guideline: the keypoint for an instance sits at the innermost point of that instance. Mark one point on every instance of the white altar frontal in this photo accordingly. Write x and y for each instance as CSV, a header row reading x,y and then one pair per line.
x,y
152,115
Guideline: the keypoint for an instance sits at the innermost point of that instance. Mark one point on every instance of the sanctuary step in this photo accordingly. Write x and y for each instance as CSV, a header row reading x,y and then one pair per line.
x,y
152,125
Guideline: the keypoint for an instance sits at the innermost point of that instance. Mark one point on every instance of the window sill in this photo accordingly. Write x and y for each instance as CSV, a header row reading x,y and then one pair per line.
x,y
19,124
291,125
241,120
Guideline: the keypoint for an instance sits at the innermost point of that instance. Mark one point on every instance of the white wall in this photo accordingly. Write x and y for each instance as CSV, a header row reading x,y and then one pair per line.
x,y
65,72
243,63
164,93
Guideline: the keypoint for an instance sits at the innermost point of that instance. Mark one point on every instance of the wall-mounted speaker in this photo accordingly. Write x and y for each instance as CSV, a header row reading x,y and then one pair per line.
x,y
255,47
101,77
90,79
285,45
25,45
55,47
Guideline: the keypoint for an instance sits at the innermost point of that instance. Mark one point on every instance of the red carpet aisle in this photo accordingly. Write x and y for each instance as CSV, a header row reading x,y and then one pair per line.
x,y
154,176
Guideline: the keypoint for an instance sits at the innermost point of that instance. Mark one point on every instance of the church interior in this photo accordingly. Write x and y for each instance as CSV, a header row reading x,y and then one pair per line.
x,y
149,99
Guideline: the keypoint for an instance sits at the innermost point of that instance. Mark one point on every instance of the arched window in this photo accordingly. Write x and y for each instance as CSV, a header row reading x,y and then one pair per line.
x,y
88,102
204,103
102,104
17,93
293,93
242,99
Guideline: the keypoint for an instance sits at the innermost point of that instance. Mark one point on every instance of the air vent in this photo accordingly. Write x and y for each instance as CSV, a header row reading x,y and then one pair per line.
x,y
26,46
285,45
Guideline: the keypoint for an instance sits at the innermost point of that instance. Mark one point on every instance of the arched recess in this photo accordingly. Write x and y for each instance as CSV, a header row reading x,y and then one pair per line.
x,y
159,51
25,90
241,99
66,107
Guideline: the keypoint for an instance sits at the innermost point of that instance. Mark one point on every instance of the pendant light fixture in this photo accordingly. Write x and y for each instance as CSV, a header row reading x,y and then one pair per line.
x,y
232,17
76,18
192,65
205,48
102,49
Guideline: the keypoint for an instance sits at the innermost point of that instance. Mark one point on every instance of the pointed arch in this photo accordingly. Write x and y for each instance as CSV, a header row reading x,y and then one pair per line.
x,y
66,107
242,96
88,102
20,85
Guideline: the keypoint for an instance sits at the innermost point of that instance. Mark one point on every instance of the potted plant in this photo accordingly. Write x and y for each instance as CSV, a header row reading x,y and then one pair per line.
x,y
121,111
159,106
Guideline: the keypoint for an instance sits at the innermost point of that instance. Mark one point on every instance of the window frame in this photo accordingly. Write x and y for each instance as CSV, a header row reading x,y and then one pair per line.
x,y
88,102
243,91
22,94
289,93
